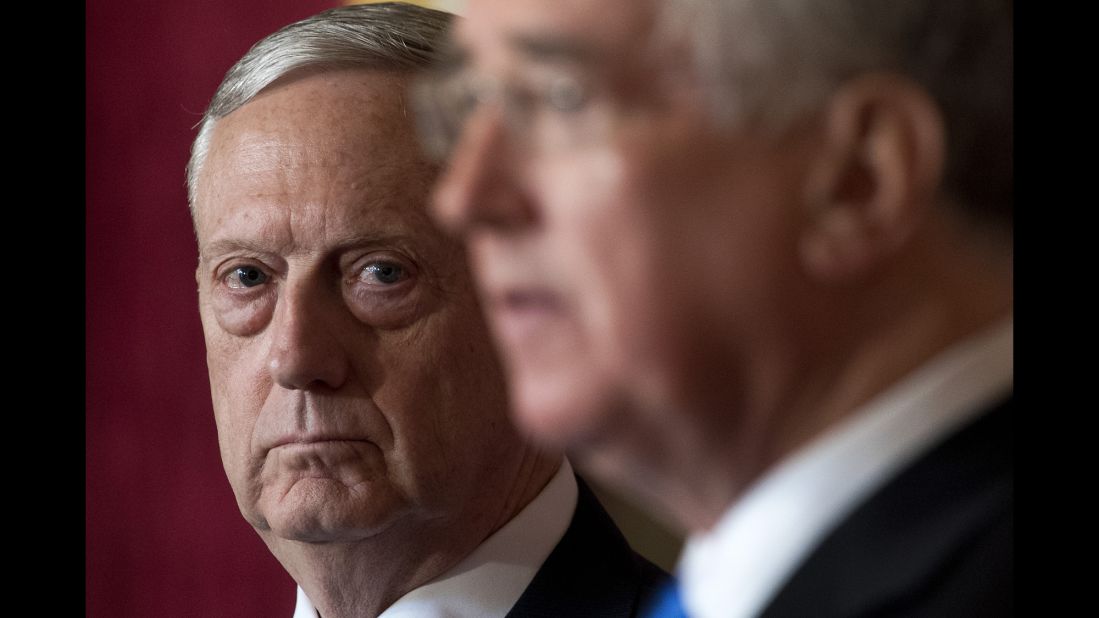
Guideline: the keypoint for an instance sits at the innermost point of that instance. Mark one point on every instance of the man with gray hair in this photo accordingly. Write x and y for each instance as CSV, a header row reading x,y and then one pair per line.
x,y
752,259
360,408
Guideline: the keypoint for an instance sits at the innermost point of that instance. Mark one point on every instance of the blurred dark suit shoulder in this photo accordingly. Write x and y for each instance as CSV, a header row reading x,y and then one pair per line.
x,y
591,572
935,541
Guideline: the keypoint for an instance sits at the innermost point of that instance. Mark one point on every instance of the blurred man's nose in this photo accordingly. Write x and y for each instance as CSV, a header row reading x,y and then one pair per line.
x,y
480,186
306,352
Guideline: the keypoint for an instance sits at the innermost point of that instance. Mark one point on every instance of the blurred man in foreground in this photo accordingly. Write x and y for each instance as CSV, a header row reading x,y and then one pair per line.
x,y
361,412
753,261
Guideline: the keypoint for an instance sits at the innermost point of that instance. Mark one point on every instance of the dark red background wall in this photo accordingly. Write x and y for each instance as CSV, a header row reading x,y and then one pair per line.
x,y
163,535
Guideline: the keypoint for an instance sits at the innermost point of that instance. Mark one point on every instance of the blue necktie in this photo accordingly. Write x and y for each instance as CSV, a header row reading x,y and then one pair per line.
x,y
666,602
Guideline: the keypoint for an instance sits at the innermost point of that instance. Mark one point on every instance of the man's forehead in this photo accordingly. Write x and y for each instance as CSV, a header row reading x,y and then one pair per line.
x,y
278,159
324,105
341,119
277,220
309,174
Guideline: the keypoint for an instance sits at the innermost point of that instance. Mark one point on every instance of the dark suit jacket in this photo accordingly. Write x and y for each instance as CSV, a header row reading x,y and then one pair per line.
x,y
591,572
935,541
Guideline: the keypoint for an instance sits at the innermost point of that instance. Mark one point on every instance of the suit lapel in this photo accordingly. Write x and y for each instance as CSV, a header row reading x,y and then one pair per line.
x,y
935,541
591,572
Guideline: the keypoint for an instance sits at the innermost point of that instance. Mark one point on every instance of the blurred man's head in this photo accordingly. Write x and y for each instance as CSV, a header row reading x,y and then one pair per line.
x,y
356,392
694,222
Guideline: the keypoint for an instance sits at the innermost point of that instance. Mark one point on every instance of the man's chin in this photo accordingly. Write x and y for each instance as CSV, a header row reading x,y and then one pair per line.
x,y
326,511
600,427
566,410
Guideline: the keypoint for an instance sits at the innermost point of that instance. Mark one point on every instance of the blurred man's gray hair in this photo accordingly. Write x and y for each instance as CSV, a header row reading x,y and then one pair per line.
x,y
769,63
387,36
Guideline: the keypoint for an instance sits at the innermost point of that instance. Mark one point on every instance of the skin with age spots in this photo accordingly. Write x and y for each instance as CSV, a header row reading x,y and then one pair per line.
x,y
360,408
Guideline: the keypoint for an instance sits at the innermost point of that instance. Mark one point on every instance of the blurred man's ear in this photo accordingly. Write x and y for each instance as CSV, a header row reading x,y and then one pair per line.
x,y
879,168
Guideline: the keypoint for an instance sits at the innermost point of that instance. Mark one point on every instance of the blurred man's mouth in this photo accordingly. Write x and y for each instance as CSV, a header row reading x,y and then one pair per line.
x,y
522,315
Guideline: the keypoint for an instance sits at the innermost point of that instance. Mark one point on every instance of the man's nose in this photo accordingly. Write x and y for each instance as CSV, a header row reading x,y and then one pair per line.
x,y
480,186
305,351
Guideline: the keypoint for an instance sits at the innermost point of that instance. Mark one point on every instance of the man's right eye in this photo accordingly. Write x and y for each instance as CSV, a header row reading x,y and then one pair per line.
x,y
245,277
565,94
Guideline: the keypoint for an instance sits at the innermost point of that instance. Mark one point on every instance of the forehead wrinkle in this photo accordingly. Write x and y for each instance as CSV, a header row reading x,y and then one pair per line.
x,y
327,113
308,183
249,230
257,152
328,163
398,189
267,200
369,208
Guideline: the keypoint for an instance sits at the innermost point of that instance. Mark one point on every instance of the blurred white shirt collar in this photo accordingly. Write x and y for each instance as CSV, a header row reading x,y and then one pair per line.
x,y
735,569
489,581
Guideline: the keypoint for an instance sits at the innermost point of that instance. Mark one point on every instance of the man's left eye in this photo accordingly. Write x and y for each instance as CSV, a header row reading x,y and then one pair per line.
x,y
382,273
565,94
246,277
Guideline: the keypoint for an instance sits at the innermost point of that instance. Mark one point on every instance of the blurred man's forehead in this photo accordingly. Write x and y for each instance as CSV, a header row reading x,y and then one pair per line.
x,y
572,31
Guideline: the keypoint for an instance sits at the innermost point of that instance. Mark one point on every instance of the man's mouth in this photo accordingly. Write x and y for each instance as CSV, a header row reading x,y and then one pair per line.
x,y
313,440
522,313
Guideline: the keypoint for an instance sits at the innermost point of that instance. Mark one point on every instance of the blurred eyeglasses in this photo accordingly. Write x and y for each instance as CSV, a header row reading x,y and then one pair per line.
x,y
541,110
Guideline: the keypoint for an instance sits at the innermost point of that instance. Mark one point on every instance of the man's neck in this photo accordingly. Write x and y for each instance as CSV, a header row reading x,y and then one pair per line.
x,y
897,325
860,347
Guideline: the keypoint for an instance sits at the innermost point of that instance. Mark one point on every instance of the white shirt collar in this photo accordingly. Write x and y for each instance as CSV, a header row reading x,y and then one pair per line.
x,y
489,581
735,569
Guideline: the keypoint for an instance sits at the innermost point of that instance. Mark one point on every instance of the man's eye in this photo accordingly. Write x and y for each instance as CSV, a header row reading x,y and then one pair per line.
x,y
246,277
557,94
566,94
382,273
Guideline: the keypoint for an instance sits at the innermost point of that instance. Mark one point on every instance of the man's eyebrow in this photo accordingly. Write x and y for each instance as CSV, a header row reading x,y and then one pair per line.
x,y
230,245
338,245
541,47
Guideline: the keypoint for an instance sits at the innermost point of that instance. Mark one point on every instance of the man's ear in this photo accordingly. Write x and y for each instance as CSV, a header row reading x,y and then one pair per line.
x,y
877,174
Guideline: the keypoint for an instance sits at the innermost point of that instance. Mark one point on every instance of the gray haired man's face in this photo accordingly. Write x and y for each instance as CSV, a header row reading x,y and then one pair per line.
x,y
354,384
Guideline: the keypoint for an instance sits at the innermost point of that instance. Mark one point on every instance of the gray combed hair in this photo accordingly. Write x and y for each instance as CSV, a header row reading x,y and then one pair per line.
x,y
388,36
771,62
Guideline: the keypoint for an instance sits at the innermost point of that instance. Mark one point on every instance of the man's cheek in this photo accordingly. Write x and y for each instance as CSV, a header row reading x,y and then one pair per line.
x,y
236,411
